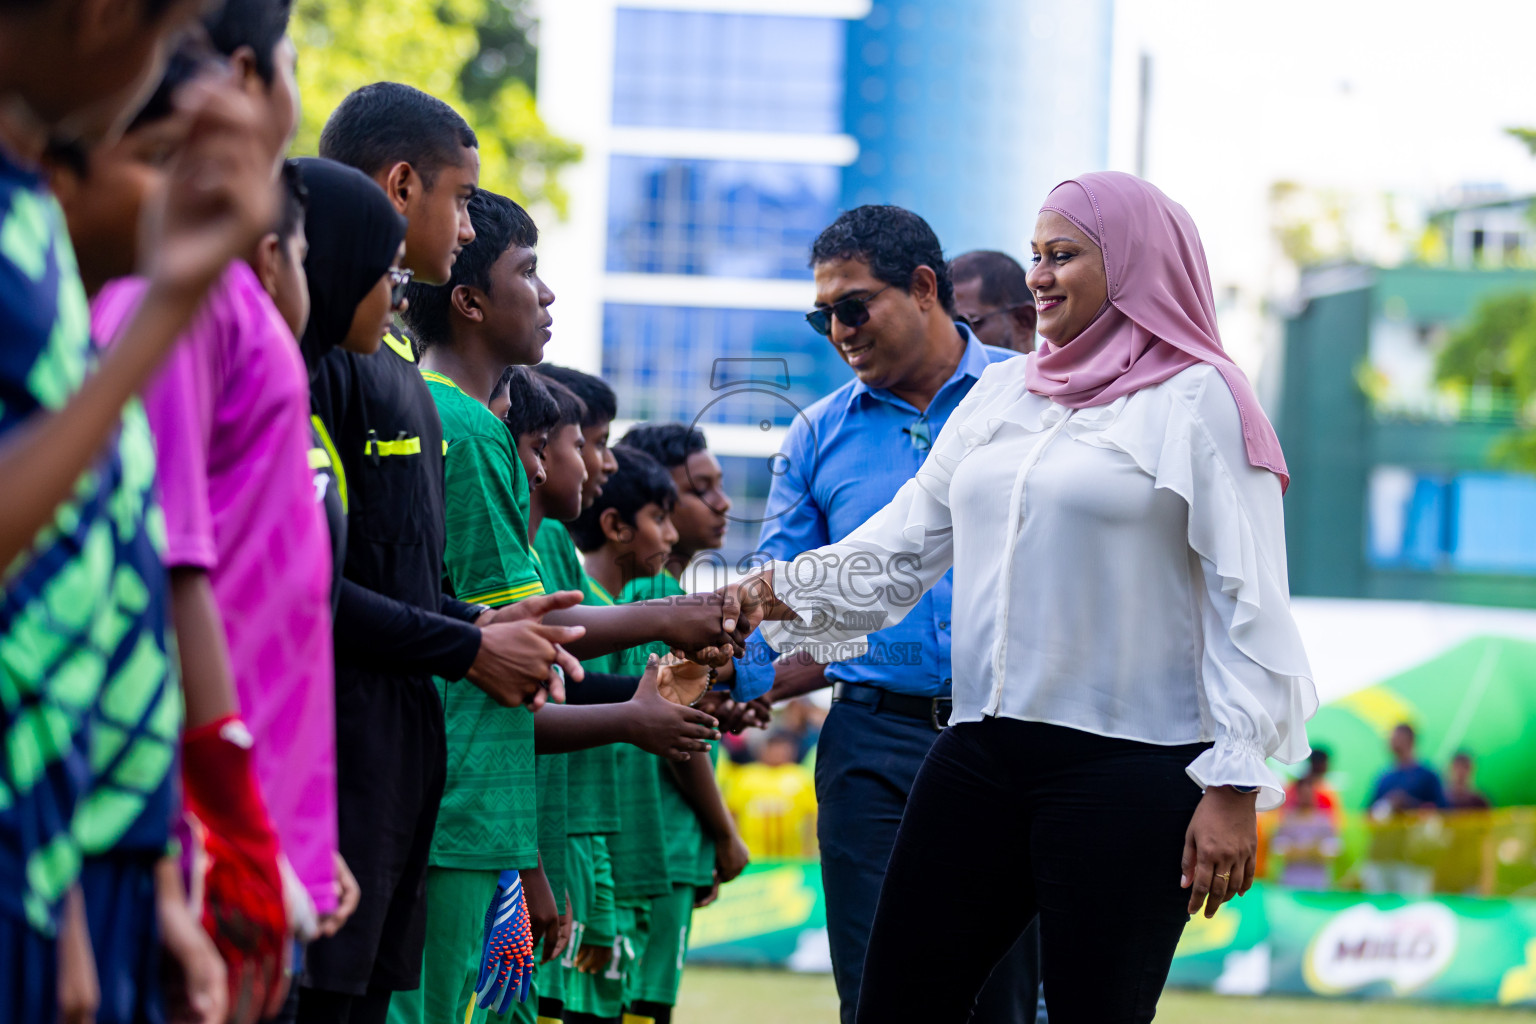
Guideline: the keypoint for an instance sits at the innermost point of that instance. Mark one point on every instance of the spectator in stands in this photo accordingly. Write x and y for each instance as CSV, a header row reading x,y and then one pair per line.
x,y
1307,837
1459,794
992,297
1317,771
801,720
1409,784
774,801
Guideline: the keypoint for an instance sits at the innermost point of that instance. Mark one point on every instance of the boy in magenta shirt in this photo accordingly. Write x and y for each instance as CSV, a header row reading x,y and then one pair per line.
x,y
230,415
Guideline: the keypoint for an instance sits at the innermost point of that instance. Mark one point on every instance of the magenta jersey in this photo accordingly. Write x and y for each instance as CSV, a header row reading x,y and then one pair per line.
x,y
230,415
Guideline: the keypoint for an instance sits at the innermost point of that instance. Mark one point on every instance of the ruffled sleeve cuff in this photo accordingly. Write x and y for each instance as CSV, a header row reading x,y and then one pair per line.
x,y
1232,763
815,631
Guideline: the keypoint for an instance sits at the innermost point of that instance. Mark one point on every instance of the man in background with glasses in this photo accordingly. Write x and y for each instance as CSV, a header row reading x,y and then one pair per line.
x,y
992,297
884,300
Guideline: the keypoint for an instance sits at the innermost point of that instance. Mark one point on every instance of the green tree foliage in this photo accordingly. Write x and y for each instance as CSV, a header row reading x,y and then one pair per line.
x,y
1494,354
1496,348
473,54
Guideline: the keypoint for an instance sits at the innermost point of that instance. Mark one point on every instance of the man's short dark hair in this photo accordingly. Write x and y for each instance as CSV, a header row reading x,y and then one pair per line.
x,y
602,404
259,24
893,241
531,408
385,123
295,199
500,225
1405,727
1004,283
668,443
572,409
639,481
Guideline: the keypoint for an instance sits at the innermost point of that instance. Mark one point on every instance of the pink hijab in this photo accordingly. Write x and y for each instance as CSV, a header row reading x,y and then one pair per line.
x,y
1160,317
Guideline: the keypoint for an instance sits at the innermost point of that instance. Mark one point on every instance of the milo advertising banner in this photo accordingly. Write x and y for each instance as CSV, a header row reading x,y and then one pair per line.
x,y
774,915
1451,948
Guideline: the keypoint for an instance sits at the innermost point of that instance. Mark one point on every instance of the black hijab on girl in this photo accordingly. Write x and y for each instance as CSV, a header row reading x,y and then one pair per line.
x,y
354,234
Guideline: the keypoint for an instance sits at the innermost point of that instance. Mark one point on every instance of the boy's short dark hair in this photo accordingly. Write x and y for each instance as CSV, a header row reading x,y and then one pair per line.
x,y
572,409
893,241
602,404
500,225
259,24
295,200
532,408
668,443
1004,281
387,122
639,481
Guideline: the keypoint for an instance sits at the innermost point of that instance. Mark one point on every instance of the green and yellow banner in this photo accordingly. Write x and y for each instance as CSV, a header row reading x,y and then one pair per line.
x,y
1459,949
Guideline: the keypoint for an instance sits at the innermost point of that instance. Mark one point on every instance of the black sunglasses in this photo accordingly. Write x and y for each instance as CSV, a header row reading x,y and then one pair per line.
x,y
398,279
850,312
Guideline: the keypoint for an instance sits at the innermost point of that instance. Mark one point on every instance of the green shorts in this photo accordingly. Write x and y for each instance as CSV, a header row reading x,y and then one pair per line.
x,y
635,937
605,994
456,904
661,967
589,875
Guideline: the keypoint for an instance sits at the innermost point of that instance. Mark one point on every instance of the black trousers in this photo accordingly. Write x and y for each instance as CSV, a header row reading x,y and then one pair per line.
x,y
1009,821
866,764
391,763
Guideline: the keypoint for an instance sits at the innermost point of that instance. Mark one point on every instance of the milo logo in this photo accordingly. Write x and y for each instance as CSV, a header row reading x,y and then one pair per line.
x,y
1407,948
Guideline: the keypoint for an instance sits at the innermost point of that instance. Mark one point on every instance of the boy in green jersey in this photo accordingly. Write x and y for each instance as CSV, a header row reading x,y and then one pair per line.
x,y
593,816
491,313
626,535
704,848
545,420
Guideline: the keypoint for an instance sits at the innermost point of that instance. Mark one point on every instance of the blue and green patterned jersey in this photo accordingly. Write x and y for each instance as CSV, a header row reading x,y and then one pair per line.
x,y
88,704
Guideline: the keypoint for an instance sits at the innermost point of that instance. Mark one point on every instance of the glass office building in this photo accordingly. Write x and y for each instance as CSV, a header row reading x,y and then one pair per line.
x,y
721,137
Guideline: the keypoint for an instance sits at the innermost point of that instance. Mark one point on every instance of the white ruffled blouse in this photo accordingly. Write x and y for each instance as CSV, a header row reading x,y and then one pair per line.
x,y
1118,569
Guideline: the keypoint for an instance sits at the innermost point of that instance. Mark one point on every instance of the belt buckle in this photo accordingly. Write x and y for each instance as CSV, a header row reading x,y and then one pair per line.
x,y
933,715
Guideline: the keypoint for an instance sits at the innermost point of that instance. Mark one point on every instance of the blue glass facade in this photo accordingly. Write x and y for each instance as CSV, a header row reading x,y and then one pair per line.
x,y
934,93
663,361
728,72
716,217
968,111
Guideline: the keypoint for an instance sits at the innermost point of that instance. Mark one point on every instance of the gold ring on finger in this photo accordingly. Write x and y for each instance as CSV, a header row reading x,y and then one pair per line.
x,y
1225,876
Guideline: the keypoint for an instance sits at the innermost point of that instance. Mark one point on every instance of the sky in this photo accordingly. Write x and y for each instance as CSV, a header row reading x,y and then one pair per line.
x,y
1369,96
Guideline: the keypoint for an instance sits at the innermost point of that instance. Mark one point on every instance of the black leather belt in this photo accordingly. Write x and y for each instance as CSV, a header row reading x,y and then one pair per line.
x,y
933,710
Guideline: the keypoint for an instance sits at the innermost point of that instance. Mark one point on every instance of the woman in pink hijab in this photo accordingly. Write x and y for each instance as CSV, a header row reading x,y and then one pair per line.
x,y
1124,656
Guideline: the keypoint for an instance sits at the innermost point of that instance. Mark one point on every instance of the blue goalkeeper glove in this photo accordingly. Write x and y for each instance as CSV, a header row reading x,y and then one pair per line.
x,y
506,959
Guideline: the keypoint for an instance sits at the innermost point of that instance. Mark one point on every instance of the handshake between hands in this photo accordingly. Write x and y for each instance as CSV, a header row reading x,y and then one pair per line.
x,y
523,660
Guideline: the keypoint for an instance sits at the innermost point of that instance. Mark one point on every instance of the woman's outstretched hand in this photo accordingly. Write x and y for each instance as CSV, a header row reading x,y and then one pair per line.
x,y
1220,848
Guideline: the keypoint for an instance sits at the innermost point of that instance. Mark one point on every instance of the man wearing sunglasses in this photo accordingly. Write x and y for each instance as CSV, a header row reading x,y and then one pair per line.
x,y
885,301
992,296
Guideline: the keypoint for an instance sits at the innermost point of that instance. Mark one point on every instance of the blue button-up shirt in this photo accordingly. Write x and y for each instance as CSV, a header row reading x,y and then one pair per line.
x,y
843,461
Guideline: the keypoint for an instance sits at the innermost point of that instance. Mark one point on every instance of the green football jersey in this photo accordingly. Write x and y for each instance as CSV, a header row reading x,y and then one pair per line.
x,y
593,802
489,814
639,849
553,771
690,854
